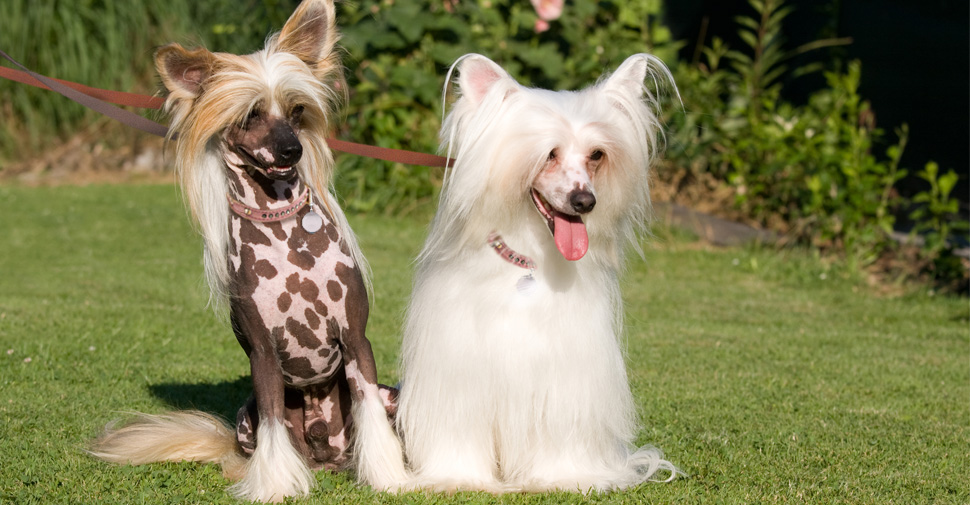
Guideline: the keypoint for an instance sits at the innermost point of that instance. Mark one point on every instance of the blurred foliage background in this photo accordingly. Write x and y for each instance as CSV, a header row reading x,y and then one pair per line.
x,y
817,171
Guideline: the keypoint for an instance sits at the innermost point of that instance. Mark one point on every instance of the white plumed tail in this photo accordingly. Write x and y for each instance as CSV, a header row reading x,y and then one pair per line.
x,y
177,436
647,464
275,470
377,451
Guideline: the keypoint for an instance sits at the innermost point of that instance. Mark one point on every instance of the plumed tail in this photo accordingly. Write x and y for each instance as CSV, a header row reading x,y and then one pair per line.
x,y
176,436
647,464
377,451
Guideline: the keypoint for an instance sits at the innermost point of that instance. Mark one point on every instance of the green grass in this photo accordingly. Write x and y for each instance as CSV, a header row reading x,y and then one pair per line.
x,y
764,381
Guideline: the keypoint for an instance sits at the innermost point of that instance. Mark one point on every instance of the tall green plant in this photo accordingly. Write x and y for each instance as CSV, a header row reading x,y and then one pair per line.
x,y
108,44
96,42
809,170
813,172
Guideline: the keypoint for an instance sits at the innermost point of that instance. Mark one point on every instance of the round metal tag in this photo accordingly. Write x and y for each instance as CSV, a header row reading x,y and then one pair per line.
x,y
312,222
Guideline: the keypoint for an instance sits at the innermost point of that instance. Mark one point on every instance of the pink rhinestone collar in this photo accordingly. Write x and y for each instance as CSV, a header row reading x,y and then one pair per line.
x,y
271,215
502,249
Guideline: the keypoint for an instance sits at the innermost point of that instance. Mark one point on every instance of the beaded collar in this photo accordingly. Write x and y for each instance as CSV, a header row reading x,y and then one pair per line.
x,y
271,215
502,249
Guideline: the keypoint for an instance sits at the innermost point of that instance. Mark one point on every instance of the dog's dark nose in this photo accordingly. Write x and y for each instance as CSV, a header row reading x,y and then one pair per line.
x,y
582,201
289,154
287,149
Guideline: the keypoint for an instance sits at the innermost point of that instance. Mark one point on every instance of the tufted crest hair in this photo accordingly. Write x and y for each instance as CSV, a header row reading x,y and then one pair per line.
x,y
209,91
502,132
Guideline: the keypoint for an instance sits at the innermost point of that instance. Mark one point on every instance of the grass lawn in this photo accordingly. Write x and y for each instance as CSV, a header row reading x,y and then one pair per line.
x,y
766,376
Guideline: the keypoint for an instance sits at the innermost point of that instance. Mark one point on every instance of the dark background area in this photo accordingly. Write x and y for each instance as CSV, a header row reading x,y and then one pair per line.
x,y
915,65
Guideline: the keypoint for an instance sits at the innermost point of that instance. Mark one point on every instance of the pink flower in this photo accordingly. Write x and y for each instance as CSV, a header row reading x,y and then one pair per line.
x,y
541,25
547,10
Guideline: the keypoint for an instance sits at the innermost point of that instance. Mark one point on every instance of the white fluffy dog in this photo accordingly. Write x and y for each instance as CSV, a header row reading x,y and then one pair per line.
x,y
513,376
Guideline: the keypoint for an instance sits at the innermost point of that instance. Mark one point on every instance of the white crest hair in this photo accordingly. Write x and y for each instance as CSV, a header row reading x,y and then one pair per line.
x,y
273,79
504,136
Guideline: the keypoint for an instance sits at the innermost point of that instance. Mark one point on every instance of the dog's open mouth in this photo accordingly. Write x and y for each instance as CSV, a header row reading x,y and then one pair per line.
x,y
568,231
280,172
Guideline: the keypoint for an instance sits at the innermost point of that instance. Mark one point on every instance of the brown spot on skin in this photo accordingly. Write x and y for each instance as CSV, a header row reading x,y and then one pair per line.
x,y
312,318
284,301
236,184
298,367
309,290
321,308
303,334
250,234
277,229
245,280
265,269
335,290
331,230
300,254
293,283
302,259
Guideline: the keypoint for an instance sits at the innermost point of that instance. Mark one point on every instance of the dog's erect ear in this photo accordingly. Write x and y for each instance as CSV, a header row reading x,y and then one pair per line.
x,y
629,77
311,31
182,69
477,74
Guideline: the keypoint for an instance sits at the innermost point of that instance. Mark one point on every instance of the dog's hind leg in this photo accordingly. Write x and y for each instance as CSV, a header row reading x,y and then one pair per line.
x,y
326,408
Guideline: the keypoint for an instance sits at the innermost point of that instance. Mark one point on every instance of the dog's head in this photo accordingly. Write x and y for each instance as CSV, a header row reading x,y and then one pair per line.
x,y
257,105
580,158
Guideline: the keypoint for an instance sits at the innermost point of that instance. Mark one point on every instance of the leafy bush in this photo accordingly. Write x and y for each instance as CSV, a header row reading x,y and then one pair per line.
x,y
809,171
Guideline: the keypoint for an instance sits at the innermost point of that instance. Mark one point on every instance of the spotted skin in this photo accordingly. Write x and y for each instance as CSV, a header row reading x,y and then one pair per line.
x,y
299,309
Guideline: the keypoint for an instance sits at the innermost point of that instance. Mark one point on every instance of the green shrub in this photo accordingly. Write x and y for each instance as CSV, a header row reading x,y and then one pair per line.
x,y
811,172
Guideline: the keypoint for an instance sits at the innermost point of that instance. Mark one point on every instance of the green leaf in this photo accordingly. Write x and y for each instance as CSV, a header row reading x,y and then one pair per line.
x,y
947,182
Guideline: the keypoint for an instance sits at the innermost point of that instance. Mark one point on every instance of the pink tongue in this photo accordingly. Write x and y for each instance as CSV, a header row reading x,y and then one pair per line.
x,y
570,235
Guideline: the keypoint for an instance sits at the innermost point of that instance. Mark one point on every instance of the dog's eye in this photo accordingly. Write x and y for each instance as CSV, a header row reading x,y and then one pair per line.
x,y
596,155
250,118
296,113
552,155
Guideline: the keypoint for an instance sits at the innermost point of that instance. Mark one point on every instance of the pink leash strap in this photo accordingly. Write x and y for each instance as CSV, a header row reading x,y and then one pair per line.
x,y
99,106
97,100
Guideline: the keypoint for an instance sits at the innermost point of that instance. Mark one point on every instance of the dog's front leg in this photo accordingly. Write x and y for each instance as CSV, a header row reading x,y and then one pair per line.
x,y
276,468
377,452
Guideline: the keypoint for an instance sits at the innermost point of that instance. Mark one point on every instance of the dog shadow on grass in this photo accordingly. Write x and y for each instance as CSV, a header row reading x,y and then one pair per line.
x,y
221,398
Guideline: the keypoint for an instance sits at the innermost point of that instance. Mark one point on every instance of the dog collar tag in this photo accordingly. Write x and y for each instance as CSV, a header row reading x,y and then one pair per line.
x,y
312,222
526,284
